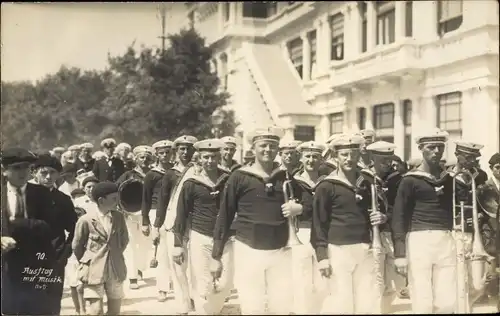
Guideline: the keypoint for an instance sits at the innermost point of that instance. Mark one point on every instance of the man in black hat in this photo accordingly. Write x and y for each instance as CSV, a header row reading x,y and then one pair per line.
x,y
47,170
26,216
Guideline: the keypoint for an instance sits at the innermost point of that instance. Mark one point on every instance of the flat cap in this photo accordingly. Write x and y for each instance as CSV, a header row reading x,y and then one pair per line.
x,y
381,148
468,148
87,146
108,142
209,145
273,134
89,179
47,160
230,141
367,134
122,146
143,149
98,155
58,150
74,147
185,139
289,144
162,144
69,168
102,189
434,135
347,142
494,159
12,156
311,146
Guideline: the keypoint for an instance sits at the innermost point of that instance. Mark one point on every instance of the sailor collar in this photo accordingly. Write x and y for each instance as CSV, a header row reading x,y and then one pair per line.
x,y
139,171
427,176
233,167
306,181
338,180
159,169
205,181
330,164
179,167
250,170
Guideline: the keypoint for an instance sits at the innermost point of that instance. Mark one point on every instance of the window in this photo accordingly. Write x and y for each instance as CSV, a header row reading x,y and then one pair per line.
x,y
312,44
364,27
409,19
383,116
272,8
449,16
336,123
449,117
361,118
407,112
386,22
227,12
304,133
295,51
256,10
337,27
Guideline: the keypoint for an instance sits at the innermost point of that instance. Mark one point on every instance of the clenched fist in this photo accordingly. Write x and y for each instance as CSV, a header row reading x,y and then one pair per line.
x,y
325,269
377,218
291,208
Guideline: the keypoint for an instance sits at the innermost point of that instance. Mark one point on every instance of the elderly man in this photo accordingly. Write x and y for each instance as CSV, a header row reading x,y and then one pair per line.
x,y
84,162
109,168
123,151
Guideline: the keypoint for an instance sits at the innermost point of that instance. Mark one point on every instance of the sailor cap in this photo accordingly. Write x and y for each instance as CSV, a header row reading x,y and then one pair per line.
x,y
273,134
58,150
468,148
142,149
334,136
122,146
381,148
230,141
162,144
209,145
347,142
367,134
435,135
87,146
311,146
185,139
74,147
11,156
108,142
290,144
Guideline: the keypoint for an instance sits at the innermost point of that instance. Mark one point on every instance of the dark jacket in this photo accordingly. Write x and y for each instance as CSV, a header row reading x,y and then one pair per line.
x,y
104,172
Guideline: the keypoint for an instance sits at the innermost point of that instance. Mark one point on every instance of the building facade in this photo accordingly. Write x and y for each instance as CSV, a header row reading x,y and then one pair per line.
x,y
320,68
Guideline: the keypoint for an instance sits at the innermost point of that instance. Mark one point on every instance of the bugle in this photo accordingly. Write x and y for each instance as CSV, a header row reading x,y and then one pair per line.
x,y
293,239
376,246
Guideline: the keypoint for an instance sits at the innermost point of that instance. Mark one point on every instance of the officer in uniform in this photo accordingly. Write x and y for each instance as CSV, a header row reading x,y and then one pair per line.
x,y
228,151
184,151
197,210
422,225
254,199
84,161
110,168
290,157
341,232
308,285
366,159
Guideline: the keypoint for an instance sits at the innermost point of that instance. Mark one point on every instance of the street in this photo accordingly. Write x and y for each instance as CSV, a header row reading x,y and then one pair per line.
x,y
143,302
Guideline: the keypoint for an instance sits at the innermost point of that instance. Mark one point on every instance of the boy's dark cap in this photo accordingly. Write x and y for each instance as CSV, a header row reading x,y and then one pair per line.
x,y
102,189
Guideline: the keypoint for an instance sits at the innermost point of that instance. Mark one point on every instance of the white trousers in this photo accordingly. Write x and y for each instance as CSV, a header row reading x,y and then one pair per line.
x,y
179,273
475,269
310,289
209,301
263,277
162,271
432,271
394,282
352,285
137,252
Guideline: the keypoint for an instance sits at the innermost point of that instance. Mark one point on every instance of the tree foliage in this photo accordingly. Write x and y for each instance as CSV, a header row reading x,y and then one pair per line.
x,y
144,95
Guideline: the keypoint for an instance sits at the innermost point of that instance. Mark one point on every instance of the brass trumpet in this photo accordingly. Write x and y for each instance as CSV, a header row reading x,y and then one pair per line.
x,y
293,239
376,241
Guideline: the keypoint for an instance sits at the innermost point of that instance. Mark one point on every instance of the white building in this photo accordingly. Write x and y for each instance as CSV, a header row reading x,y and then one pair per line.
x,y
319,68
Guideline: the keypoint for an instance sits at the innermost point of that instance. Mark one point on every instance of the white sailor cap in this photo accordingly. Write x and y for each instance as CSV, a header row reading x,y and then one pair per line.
x,y
468,148
311,146
108,142
273,134
289,144
334,136
434,135
347,142
229,141
87,146
122,146
162,144
74,147
381,148
58,150
185,139
67,154
367,134
98,155
212,144
142,149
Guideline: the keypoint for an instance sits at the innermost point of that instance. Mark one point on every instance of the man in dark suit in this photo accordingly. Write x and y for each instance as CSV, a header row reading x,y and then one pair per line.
x,y
26,217
109,168
47,170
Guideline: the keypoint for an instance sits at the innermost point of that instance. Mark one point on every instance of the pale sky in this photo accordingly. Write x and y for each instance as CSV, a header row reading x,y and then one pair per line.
x,y
38,38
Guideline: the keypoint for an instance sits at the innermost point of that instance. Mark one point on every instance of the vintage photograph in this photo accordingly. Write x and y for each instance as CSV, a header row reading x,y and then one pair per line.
x,y
250,158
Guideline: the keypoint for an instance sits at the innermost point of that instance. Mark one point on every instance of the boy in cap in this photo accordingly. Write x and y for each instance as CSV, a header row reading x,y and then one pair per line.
x,y
110,168
197,209
86,202
254,199
68,174
100,240
84,161
228,151
47,170
421,230
290,157
342,229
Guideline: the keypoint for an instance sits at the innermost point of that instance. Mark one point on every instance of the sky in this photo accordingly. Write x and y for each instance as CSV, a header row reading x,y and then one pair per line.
x,y
37,39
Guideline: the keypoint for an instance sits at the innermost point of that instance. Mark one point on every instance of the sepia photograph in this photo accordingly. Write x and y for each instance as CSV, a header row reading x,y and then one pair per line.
x,y
250,158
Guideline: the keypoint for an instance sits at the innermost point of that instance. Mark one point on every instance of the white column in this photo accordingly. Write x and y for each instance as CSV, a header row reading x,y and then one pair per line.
x,y
371,28
323,130
220,15
416,125
318,26
326,43
479,13
425,31
369,117
400,21
233,12
306,57
352,30
399,128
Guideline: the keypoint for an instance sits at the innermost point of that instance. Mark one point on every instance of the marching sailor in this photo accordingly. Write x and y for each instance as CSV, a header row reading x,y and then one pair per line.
x,y
84,161
136,251
184,151
290,157
254,199
227,162
329,164
150,199
365,160
341,232
421,226
110,168
308,284
387,180
197,210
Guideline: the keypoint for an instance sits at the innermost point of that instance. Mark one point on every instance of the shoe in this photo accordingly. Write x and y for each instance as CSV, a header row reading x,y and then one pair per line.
x,y
191,307
404,294
133,284
139,273
162,296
